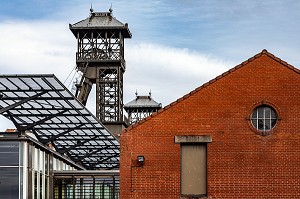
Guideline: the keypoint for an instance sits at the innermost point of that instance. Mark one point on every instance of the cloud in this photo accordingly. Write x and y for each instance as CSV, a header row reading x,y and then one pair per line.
x,y
36,47
169,72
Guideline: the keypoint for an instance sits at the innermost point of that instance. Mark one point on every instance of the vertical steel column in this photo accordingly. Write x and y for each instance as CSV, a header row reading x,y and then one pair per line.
x,y
99,99
59,183
81,188
121,71
102,189
25,169
114,187
94,184
78,46
119,96
51,187
74,182
30,168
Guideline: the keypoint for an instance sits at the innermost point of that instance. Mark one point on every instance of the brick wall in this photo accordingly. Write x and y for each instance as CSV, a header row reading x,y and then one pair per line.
x,y
242,163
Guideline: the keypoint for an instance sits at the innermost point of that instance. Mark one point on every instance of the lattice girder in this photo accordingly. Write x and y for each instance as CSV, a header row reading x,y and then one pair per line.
x,y
110,94
100,46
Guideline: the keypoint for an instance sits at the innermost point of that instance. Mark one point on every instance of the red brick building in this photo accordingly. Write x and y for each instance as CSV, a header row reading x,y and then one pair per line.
x,y
237,136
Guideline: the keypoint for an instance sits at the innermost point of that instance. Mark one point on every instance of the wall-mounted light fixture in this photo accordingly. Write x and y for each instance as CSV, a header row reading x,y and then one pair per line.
x,y
141,159
138,162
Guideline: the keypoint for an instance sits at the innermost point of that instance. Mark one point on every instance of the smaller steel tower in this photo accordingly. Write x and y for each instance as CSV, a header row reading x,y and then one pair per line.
x,y
141,107
100,58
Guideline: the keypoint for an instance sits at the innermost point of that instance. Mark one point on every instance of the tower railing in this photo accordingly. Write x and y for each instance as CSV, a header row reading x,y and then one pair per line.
x,y
97,55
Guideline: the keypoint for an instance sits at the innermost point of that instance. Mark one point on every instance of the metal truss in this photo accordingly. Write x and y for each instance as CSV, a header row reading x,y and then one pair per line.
x,y
100,57
97,46
41,104
109,94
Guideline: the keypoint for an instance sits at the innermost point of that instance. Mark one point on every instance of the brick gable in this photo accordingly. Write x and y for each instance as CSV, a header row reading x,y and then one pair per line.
x,y
241,162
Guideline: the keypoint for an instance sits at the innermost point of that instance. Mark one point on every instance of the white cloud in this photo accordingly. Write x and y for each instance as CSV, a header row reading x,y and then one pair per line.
x,y
169,72
36,47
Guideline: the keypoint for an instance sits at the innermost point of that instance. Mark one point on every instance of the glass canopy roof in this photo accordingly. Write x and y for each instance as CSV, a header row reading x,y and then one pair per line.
x,y
42,104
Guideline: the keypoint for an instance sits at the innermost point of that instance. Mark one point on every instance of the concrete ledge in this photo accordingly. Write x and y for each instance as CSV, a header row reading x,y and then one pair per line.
x,y
192,139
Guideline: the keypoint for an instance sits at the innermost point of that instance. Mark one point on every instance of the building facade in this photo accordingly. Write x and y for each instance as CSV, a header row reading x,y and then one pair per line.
x,y
236,136
26,167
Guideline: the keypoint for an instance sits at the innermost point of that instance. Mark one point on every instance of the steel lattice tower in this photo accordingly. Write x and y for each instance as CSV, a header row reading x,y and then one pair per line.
x,y
100,58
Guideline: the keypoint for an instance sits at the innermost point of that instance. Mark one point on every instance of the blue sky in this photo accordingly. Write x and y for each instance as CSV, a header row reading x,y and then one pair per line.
x,y
227,29
176,46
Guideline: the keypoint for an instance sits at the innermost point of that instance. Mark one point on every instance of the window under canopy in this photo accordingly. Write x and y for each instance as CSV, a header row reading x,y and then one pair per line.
x,y
43,105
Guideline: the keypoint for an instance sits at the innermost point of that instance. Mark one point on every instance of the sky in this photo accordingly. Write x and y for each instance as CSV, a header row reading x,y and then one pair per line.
x,y
177,45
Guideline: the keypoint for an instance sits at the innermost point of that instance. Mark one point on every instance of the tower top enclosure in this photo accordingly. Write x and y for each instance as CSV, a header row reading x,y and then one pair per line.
x,y
100,39
99,21
100,58
141,107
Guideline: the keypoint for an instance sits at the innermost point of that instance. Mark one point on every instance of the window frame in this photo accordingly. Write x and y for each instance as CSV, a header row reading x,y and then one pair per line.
x,y
263,132
260,114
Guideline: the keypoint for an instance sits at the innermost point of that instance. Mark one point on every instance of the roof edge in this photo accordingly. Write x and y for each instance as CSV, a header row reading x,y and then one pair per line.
x,y
263,52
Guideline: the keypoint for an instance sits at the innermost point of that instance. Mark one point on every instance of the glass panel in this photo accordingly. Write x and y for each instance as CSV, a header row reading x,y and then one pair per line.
x,y
9,183
267,112
254,114
261,124
65,167
21,152
267,124
9,153
273,122
46,163
36,159
54,164
254,122
57,165
273,114
260,111
41,161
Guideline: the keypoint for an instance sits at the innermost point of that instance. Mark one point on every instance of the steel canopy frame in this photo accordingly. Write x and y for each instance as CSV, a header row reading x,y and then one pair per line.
x,y
42,104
